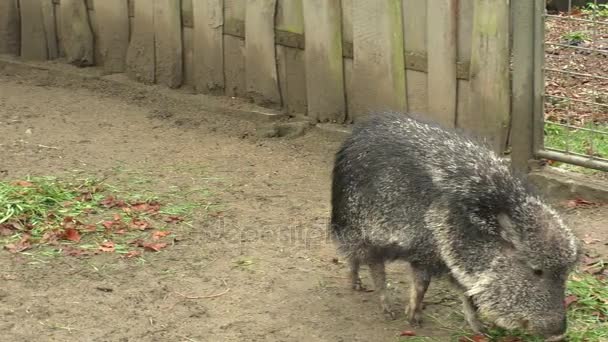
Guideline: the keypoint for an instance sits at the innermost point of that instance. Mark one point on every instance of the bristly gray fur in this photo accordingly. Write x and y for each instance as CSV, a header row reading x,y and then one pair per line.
x,y
407,190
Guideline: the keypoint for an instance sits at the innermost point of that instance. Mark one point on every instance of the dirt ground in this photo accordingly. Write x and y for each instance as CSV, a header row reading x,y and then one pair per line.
x,y
268,251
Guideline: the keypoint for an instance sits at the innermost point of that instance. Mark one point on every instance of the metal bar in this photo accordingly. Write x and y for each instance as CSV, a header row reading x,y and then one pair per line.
x,y
592,163
578,48
577,74
557,17
576,127
579,101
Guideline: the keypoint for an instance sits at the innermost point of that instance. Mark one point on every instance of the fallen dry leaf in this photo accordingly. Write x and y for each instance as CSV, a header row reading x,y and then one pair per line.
x,y
579,202
71,234
107,246
407,333
570,299
23,183
588,240
75,252
173,219
140,224
20,246
6,229
112,202
132,254
474,338
157,235
150,207
154,247
107,224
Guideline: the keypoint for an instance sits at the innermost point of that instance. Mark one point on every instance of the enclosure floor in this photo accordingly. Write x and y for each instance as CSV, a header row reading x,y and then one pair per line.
x,y
270,188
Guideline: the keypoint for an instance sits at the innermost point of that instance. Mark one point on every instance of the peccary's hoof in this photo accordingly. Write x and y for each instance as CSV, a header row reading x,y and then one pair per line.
x,y
358,286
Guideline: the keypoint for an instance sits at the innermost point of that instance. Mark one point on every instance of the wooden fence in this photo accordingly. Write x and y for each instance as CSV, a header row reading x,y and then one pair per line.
x,y
331,60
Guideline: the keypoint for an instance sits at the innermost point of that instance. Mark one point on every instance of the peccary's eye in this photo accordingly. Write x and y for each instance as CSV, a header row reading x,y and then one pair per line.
x,y
538,273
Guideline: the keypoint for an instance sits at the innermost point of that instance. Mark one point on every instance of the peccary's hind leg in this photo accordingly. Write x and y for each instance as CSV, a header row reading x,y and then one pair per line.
x,y
378,273
470,314
354,274
420,283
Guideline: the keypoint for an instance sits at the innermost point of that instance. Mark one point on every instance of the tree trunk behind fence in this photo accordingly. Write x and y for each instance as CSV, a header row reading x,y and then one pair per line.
x,y
9,27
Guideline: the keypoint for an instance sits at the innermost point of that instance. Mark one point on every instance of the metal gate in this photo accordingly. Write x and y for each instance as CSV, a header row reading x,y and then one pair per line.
x,y
571,64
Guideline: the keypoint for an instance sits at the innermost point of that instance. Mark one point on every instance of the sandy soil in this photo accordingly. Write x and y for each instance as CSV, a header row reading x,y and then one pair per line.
x,y
269,249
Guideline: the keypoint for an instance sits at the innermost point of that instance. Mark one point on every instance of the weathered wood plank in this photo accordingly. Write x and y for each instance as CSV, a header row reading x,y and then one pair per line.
x,y
522,98
208,19
33,36
261,66
234,50
324,63
50,28
347,53
9,27
188,41
489,73
141,60
415,35
442,53
168,42
378,63
290,60
112,17
77,34
465,36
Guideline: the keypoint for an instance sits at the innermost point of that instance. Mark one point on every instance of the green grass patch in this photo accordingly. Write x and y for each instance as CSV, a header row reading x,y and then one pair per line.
x,y
46,217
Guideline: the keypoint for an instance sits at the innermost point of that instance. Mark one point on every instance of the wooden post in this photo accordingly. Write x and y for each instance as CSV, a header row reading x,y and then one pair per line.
x,y
168,42
324,67
489,74
208,53
9,27
77,33
234,49
50,29
378,62
465,38
33,36
113,25
441,57
290,60
522,99
415,36
261,63
140,55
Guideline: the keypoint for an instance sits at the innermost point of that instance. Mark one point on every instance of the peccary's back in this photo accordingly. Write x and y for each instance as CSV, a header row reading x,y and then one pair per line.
x,y
392,168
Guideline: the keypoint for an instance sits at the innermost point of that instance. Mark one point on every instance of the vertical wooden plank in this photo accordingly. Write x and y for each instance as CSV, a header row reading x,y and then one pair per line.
x,y
465,36
415,35
9,27
49,22
378,62
347,38
441,61
291,65
208,45
324,62
489,73
112,18
33,36
261,66
140,55
538,140
60,49
77,33
95,30
234,51
188,43
168,42
522,99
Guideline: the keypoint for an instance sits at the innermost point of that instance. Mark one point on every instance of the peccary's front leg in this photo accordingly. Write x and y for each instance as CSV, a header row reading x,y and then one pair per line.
x,y
470,314
354,274
378,273
420,283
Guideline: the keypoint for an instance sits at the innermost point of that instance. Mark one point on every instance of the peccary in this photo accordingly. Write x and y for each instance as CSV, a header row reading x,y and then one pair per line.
x,y
407,190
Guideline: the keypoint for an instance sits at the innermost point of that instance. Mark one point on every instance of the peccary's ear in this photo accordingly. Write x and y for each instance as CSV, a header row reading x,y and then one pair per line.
x,y
508,230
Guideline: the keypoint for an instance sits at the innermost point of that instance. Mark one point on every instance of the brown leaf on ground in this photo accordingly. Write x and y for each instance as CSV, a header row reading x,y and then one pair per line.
x,y
107,224
23,183
132,254
407,333
474,338
75,252
579,202
20,246
157,235
112,202
71,234
107,246
570,299
140,224
117,217
154,247
7,229
173,219
149,207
